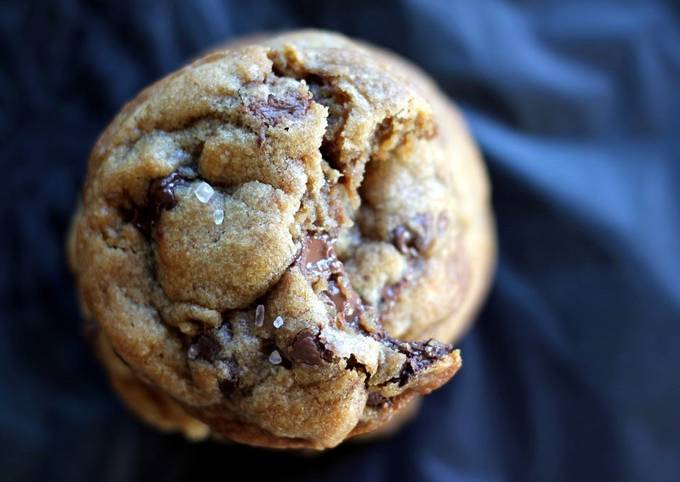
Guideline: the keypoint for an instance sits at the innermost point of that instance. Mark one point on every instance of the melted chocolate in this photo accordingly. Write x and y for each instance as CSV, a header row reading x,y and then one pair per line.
x,y
336,295
415,238
160,196
317,258
419,355
391,293
347,302
353,364
412,240
205,347
318,261
227,386
307,348
209,347
275,108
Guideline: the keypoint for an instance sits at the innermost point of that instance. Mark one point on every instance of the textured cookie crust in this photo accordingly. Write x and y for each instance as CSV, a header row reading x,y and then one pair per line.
x,y
272,239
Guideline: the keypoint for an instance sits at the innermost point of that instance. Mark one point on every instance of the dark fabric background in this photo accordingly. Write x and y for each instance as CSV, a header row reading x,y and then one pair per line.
x,y
572,372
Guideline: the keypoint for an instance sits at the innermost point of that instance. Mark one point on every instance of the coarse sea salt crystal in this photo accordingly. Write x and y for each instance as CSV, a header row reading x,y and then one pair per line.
x,y
218,216
259,315
275,358
204,192
278,322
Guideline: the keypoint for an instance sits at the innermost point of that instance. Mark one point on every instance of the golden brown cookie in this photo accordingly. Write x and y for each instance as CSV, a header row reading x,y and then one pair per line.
x,y
276,242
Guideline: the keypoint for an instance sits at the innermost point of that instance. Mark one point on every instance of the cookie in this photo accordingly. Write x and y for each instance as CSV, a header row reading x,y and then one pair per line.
x,y
277,243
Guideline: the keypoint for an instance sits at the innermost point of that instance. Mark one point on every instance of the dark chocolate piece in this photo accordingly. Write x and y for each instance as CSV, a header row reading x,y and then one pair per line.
x,y
419,355
317,258
336,296
390,293
227,386
325,93
308,349
205,347
275,108
347,302
160,196
414,239
353,364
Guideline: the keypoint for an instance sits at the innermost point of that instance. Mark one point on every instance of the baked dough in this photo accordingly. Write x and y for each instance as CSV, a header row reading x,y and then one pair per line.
x,y
277,242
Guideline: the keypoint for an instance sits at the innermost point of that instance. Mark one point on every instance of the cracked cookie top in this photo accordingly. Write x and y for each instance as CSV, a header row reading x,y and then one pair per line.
x,y
268,237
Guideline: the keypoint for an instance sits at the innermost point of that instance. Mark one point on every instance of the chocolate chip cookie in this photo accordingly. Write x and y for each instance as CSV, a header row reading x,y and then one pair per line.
x,y
277,242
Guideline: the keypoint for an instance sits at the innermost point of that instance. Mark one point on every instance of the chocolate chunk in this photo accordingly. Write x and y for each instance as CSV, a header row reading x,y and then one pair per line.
x,y
391,292
408,370
337,101
227,386
347,302
411,240
317,258
276,108
205,348
419,355
161,192
319,88
308,349
353,364
415,238
433,348
160,196
336,296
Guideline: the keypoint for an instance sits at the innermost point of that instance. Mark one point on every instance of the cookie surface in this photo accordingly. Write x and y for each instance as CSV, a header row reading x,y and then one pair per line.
x,y
276,242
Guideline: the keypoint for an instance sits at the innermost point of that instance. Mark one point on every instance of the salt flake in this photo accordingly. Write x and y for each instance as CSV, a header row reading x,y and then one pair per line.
x,y
218,216
259,315
275,358
204,192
